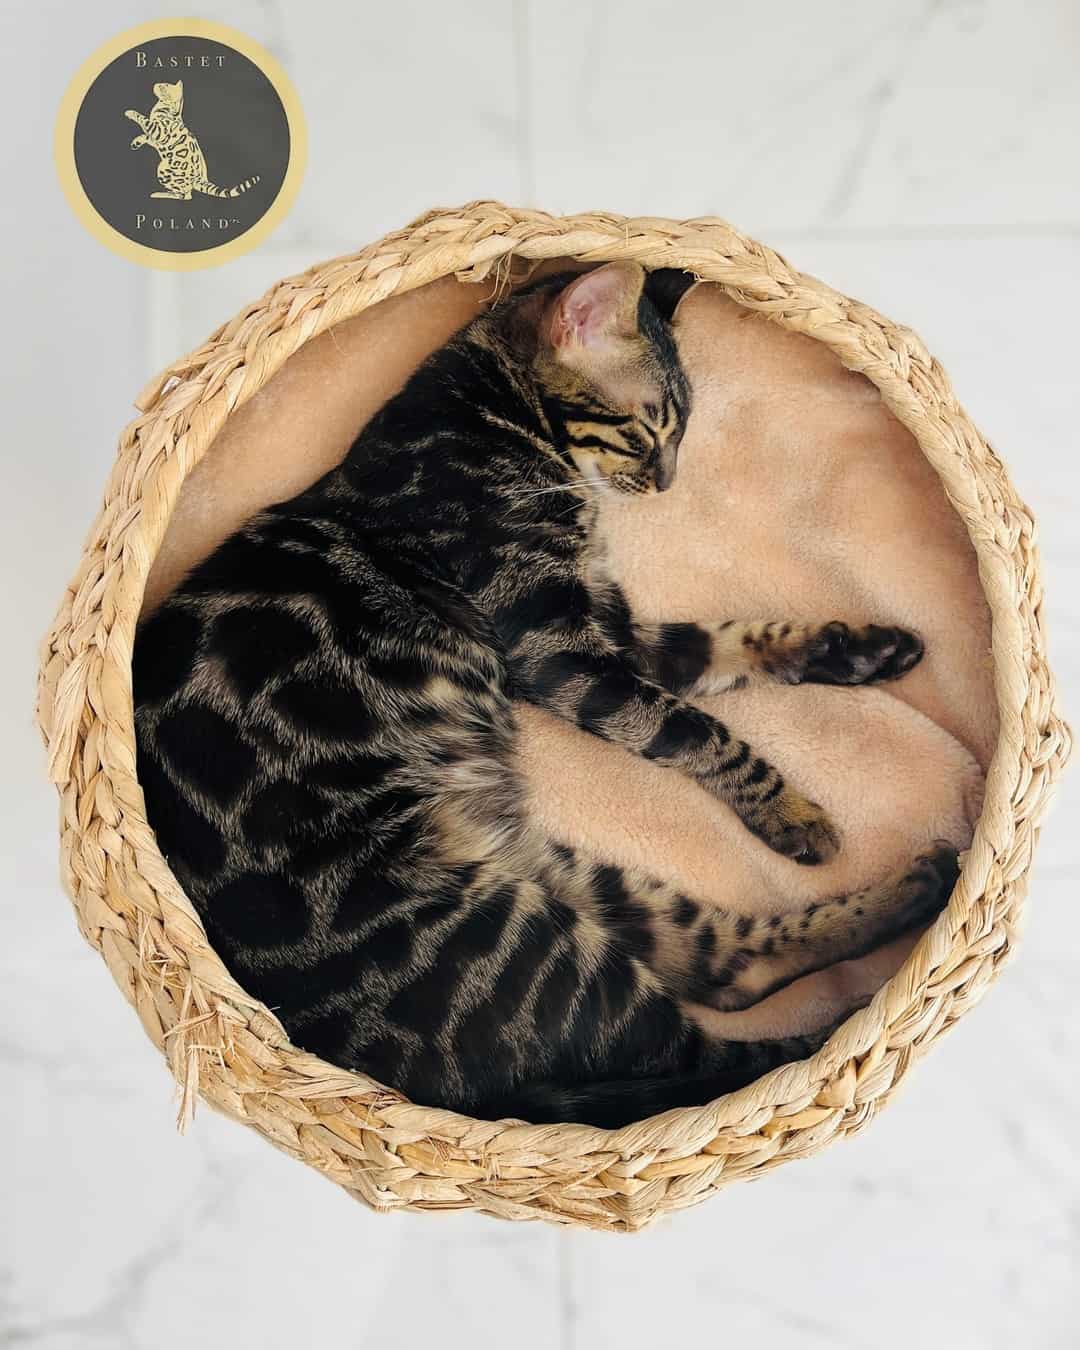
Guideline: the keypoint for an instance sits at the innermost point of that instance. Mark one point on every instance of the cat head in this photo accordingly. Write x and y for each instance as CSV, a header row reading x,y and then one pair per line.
x,y
607,363
170,94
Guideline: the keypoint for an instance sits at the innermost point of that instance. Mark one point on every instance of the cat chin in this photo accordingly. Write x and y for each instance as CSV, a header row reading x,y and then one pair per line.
x,y
597,481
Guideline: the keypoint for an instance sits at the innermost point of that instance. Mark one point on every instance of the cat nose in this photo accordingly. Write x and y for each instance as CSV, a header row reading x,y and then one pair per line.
x,y
664,475
666,460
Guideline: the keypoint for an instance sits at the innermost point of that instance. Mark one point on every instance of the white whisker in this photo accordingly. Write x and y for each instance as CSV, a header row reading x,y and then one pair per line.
x,y
574,486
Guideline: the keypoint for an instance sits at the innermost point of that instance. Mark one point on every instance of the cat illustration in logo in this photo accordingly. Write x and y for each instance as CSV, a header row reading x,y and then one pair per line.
x,y
181,166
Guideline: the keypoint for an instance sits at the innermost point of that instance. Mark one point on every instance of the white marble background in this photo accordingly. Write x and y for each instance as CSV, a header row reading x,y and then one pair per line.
x,y
921,157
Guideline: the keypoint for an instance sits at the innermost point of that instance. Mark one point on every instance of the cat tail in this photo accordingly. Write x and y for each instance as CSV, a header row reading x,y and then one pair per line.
x,y
610,1105
212,190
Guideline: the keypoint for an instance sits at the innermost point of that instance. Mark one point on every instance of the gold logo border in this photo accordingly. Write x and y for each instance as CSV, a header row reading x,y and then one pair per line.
x,y
64,144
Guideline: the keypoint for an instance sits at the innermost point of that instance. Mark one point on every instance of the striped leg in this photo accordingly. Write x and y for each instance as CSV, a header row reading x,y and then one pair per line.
x,y
728,960
690,658
615,1024
580,675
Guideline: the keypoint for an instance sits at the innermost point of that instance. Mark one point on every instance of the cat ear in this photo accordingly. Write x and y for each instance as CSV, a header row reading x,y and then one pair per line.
x,y
180,87
667,288
597,308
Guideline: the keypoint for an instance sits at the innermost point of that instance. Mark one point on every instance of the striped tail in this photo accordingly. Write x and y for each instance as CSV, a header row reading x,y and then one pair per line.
x,y
610,1105
212,190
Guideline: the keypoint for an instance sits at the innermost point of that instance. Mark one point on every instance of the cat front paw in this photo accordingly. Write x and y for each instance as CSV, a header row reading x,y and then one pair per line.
x,y
839,654
130,112
795,827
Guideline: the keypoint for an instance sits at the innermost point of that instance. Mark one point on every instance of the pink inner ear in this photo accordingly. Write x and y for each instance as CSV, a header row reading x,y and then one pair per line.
x,y
587,312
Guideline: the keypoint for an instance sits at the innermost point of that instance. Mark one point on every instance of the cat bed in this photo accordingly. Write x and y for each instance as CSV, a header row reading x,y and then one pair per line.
x,y
802,495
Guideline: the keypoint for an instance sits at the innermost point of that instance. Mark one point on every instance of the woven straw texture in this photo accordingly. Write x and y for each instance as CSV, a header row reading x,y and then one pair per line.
x,y
227,1048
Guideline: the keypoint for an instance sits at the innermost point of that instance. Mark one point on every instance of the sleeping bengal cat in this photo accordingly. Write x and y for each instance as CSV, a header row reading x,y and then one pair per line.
x,y
326,740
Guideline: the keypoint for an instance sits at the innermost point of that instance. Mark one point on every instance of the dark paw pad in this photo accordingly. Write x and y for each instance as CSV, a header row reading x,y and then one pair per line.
x,y
838,654
943,862
934,874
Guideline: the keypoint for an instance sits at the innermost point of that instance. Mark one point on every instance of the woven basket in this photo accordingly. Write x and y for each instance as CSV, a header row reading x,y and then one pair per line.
x,y
226,1047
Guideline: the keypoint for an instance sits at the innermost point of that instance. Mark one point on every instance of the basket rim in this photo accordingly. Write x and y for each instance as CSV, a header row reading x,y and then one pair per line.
x,y
132,908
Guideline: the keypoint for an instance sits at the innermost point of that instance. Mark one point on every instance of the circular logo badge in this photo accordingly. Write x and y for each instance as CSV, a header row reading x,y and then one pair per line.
x,y
180,144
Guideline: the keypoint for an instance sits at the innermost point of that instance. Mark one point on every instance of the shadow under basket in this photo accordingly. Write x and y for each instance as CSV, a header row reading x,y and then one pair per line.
x,y
226,1047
